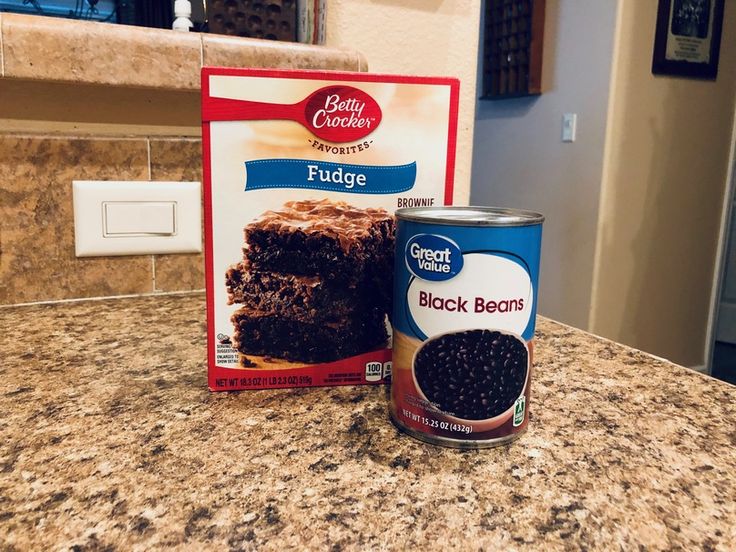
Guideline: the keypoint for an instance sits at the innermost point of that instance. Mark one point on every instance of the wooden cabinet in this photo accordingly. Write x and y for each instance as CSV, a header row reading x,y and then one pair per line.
x,y
512,48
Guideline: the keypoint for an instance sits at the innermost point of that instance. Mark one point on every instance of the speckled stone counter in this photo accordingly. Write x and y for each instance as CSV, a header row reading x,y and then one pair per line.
x,y
110,440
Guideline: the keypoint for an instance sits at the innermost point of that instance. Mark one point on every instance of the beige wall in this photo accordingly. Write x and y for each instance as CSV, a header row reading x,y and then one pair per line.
x,y
663,188
417,37
520,160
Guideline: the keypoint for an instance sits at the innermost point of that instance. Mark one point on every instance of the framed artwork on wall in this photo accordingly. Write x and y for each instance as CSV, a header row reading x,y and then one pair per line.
x,y
688,38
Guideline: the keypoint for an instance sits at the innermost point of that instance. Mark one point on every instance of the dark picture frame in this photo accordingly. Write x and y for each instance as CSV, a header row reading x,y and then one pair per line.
x,y
688,38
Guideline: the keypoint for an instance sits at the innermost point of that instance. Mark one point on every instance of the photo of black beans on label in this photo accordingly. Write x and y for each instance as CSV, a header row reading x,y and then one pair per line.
x,y
473,374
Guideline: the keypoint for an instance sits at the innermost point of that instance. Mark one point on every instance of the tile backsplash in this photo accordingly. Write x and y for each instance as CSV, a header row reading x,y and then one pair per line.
x,y
37,259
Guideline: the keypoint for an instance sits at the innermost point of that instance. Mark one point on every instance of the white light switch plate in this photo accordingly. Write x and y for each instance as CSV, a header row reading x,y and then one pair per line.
x,y
569,126
133,218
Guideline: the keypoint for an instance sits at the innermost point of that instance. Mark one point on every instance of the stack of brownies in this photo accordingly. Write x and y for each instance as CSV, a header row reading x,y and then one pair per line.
x,y
315,282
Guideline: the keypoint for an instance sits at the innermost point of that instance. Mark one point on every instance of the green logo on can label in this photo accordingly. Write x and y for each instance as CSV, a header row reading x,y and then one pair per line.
x,y
519,411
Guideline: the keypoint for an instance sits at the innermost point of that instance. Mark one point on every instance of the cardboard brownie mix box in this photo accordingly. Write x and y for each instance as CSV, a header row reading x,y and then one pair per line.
x,y
303,171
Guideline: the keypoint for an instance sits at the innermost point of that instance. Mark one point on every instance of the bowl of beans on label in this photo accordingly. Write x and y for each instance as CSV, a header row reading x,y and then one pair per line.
x,y
472,376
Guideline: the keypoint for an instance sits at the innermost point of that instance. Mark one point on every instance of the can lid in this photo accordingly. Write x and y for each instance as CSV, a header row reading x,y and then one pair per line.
x,y
471,216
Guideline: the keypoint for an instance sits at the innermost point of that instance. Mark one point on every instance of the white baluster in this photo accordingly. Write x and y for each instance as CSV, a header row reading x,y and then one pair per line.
x,y
182,13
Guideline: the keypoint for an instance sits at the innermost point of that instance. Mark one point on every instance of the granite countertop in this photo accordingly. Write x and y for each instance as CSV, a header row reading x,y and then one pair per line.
x,y
110,440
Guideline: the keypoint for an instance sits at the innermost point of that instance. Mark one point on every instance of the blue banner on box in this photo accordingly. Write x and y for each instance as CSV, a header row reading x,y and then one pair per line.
x,y
334,177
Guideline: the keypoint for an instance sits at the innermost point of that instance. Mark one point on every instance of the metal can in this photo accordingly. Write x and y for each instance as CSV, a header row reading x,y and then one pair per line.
x,y
465,302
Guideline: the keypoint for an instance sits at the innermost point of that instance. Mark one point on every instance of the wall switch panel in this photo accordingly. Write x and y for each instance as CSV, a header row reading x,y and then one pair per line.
x,y
569,126
134,218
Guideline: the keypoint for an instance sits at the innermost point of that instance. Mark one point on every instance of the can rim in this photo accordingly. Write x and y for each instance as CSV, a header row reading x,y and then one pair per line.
x,y
471,216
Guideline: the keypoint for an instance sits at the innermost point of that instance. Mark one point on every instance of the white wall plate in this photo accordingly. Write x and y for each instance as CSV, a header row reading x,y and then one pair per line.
x,y
133,218
569,126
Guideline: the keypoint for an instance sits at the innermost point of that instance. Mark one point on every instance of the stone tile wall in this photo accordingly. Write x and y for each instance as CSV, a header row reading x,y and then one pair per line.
x,y
37,258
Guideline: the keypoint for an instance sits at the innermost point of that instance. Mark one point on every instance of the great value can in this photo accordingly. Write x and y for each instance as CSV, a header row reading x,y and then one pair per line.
x,y
465,301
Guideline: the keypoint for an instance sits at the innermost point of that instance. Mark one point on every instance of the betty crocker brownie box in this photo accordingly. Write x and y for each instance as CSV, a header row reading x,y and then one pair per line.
x,y
303,171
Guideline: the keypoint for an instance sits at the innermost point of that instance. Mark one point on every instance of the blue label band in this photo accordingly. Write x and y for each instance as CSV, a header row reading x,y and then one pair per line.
x,y
334,177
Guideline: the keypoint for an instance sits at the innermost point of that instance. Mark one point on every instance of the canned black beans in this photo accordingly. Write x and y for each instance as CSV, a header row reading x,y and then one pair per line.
x,y
465,296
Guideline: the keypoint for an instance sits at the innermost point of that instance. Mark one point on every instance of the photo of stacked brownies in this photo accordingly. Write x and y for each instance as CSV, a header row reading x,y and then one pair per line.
x,y
314,282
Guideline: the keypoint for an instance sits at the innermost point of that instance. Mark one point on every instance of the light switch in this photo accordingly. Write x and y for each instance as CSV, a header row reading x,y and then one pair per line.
x,y
139,218
136,218
569,126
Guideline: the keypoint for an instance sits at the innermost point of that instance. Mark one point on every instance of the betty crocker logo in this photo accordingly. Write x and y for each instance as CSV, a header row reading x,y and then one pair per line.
x,y
341,114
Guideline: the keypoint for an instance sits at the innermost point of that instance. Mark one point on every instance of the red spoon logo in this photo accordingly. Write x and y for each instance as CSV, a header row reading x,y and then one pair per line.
x,y
341,113
333,113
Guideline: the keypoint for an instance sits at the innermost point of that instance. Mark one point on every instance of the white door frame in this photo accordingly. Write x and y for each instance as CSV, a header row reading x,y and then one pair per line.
x,y
721,254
